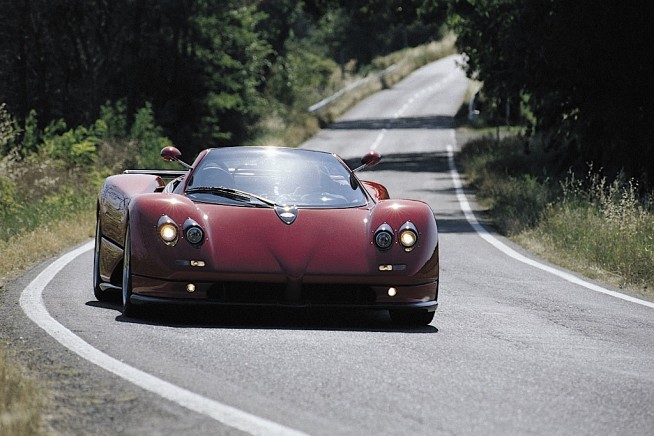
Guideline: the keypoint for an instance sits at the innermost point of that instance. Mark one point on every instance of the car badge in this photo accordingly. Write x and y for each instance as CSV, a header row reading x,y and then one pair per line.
x,y
288,214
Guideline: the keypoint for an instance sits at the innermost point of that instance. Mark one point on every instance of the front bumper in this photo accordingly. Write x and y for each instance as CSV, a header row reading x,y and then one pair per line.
x,y
286,294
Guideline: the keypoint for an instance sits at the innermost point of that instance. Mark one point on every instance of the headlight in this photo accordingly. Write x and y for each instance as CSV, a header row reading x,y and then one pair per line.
x,y
384,237
193,232
168,230
408,236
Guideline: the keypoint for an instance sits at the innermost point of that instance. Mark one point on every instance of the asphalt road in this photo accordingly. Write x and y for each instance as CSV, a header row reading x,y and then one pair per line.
x,y
513,349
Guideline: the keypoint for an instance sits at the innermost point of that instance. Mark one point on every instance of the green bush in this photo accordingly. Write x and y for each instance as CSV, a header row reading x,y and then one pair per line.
x,y
513,184
114,116
77,147
7,195
593,223
149,138
9,130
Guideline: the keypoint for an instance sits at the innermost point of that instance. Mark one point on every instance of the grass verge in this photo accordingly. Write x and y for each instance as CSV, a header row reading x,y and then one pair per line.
x,y
21,404
20,411
599,226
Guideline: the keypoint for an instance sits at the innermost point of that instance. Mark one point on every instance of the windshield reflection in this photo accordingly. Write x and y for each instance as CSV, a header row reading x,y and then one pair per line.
x,y
302,178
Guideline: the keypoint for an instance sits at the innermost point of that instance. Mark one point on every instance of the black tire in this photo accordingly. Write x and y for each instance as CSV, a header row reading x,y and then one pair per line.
x,y
414,318
100,295
129,309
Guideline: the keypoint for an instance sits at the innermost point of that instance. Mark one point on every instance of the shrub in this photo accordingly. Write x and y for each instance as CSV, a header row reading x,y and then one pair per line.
x,y
77,147
8,130
114,116
149,138
590,224
7,195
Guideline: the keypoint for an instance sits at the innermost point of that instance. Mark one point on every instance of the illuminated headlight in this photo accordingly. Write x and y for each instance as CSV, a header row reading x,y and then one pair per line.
x,y
408,236
167,230
384,237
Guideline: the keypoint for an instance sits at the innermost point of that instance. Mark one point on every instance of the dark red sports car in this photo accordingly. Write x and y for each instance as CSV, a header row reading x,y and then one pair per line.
x,y
265,226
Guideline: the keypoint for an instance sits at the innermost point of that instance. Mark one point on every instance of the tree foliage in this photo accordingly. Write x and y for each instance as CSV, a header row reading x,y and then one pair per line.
x,y
582,68
200,63
210,68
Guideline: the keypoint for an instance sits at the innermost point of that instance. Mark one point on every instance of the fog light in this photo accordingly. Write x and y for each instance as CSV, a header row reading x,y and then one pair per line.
x,y
392,292
190,287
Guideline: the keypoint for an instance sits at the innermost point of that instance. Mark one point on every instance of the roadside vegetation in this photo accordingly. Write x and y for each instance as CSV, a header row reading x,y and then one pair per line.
x,y
20,402
601,225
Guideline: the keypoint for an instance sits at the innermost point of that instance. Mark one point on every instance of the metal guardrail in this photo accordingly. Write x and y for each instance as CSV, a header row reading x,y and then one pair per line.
x,y
316,108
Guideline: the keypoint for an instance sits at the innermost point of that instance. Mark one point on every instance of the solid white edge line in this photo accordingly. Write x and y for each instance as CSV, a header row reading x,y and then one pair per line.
x,y
481,231
31,301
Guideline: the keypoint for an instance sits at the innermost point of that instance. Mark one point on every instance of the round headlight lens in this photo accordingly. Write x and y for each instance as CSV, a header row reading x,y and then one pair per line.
x,y
384,240
194,235
384,237
408,239
168,232
408,236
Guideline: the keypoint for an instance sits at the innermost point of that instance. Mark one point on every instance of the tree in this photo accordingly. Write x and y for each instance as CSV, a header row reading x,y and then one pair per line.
x,y
201,63
363,29
582,69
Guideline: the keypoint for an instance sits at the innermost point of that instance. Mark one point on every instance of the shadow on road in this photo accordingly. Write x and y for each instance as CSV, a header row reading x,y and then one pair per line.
x,y
265,318
435,163
426,122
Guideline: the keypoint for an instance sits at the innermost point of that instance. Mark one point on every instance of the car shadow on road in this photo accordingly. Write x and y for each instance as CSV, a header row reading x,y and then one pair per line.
x,y
265,318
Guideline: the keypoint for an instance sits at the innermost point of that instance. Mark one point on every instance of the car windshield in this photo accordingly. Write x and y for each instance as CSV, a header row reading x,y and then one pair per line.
x,y
267,176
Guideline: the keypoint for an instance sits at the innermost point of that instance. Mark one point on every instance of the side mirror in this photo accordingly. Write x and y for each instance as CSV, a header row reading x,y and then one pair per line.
x,y
369,159
172,154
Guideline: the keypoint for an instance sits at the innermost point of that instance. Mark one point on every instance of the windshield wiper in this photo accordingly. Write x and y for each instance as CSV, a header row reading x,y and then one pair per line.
x,y
231,193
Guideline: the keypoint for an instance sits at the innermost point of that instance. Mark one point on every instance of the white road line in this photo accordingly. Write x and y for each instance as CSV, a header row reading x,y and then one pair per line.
x,y
481,231
430,89
31,301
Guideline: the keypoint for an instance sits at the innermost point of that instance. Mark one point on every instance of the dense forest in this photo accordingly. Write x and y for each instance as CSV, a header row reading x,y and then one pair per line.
x,y
210,68
209,71
581,70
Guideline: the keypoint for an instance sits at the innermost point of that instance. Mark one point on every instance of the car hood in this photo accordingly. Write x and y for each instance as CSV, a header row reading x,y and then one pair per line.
x,y
318,241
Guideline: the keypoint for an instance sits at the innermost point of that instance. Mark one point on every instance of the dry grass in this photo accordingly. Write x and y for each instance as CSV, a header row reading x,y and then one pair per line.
x,y
20,405
22,251
20,400
600,228
605,230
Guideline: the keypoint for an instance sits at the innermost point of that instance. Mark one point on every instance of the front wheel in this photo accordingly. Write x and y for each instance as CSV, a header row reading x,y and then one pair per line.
x,y
128,308
408,317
